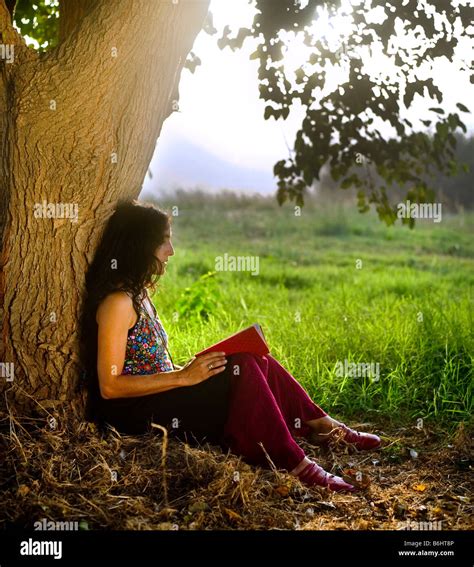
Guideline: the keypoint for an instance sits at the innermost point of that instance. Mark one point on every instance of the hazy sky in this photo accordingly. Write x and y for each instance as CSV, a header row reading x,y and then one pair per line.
x,y
220,112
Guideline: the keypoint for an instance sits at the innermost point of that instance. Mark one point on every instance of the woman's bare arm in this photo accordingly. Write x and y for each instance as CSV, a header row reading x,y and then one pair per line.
x,y
115,316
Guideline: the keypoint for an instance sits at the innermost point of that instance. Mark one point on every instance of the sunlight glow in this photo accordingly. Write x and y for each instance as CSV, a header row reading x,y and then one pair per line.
x,y
220,109
219,104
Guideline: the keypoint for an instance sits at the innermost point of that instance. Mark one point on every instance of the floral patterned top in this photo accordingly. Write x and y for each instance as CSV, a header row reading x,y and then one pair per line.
x,y
145,353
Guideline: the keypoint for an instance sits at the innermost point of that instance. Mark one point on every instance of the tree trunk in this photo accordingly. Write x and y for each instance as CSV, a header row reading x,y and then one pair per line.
x,y
78,128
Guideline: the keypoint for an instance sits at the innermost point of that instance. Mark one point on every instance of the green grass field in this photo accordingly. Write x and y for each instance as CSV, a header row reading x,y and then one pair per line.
x,y
332,285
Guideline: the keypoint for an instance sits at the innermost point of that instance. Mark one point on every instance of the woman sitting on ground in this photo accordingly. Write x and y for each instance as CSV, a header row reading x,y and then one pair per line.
x,y
247,403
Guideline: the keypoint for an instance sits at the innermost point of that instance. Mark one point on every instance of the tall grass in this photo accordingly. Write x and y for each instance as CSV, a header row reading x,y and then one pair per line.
x,y
333,285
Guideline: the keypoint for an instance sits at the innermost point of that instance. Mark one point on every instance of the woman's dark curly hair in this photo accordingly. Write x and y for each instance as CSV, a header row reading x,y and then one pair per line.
x,y
124,261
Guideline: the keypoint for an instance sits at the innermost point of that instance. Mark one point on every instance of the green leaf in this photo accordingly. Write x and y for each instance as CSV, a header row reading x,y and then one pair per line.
x,y
462,107
269,111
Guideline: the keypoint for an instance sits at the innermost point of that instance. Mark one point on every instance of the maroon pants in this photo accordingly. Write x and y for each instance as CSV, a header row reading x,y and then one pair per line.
x,y
267,407
254,402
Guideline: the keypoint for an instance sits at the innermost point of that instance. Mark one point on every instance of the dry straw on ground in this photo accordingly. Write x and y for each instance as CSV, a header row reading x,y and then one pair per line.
x,y
65,470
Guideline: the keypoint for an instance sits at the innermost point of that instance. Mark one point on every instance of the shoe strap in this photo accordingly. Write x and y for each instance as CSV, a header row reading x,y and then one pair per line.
x,y
313,473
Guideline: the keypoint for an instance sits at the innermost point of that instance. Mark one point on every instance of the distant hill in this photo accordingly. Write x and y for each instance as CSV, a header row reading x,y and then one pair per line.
x,y
182,164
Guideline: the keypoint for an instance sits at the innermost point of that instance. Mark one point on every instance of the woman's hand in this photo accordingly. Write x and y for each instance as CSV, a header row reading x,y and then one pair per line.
x,y
197,369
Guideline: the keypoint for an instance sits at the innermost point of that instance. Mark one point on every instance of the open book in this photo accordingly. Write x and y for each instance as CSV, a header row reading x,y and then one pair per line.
x,y
250,339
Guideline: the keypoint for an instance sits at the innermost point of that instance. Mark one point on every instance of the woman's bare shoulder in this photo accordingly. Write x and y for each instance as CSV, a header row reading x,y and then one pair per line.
x,y
117,304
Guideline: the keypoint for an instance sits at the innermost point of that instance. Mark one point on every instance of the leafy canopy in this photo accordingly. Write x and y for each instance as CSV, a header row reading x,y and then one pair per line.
x,y
342,120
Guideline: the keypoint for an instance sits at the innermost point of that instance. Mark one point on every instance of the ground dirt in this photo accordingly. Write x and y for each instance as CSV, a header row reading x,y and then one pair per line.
x,y
62,471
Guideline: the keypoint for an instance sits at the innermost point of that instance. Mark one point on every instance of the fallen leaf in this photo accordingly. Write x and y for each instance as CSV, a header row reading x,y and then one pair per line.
x,y
83,525
23,490
198,507
356,478
232,515
283,490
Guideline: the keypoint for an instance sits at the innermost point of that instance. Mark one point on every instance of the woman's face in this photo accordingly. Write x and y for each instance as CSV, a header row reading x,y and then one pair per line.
x,y
166,249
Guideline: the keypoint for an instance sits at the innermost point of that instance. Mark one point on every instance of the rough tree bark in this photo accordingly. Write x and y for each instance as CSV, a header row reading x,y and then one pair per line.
x,y
78,126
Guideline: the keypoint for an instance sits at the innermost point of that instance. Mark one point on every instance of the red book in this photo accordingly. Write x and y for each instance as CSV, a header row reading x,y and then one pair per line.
x,y
250,339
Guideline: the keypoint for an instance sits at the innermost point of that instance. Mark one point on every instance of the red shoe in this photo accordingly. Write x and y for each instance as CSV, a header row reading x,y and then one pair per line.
x,y
361,441
314,475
